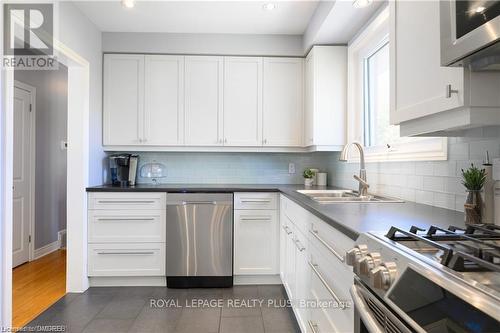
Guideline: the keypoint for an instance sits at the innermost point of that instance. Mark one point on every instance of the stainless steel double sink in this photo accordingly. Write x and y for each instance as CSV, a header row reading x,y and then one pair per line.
x,y
345,196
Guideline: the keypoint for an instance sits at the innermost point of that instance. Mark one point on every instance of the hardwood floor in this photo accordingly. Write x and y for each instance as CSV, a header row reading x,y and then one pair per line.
x,y
36,286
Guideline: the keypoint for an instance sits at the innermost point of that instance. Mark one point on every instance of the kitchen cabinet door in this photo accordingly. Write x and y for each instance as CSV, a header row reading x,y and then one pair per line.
x,y
291,250
303,279
164,100
203,100
418,79
123,99
255,242
242,101
326,97
283,102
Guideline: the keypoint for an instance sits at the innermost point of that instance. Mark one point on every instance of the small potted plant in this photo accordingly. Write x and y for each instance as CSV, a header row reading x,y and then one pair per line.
x,y
473,179
308,177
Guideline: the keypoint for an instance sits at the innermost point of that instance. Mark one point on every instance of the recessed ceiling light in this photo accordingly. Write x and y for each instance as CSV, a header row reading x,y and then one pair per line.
x,y
361,3
128,3
269,6
480,9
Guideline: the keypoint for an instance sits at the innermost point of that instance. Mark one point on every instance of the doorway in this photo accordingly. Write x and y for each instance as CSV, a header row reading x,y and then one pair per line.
x,y
39,191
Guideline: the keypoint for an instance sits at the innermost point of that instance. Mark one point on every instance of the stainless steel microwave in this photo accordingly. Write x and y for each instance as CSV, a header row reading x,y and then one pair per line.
x,y
470,34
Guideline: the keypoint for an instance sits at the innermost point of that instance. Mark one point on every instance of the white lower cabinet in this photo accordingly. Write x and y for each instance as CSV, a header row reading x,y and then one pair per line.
x,y
256,235
313,271
126,234
255,238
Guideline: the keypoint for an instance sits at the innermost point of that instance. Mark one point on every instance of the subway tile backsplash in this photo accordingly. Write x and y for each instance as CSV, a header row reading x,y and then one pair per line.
x,y
233,168
433,183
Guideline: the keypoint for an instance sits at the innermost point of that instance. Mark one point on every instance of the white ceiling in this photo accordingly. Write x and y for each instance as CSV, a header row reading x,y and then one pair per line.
x,y
235,17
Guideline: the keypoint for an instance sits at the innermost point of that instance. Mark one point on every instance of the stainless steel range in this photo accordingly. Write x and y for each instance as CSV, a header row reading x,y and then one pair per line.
x,y
435,280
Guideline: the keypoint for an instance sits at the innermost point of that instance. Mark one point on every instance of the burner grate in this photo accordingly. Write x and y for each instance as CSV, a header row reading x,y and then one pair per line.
x,y
475,248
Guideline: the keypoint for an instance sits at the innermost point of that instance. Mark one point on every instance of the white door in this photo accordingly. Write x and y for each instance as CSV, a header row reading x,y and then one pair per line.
x,y
123,106
203,101
242,101
21,202
282,124
255,242
164,100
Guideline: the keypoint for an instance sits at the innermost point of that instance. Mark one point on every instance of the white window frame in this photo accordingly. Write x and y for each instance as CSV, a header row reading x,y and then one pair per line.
x,y
372,37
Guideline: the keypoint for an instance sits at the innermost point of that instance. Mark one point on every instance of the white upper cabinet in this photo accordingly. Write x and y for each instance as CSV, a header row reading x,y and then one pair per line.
x,y
242,101
283,102
164,100
203,101
326,97
420,101
123,100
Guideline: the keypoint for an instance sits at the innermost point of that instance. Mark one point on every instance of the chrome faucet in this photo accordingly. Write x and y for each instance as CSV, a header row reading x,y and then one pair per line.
x,y
363,184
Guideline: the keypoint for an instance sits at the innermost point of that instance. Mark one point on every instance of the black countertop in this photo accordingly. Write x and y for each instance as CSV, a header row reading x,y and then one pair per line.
x,y
350,218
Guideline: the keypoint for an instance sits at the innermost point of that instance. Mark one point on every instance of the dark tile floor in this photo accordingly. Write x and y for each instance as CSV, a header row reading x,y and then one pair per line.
x,y
129,309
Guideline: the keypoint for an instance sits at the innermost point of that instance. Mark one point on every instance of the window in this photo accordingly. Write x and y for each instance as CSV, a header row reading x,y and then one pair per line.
x,y
369,97
377,130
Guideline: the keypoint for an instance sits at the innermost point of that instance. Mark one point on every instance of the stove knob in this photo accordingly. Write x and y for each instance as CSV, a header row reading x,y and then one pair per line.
x,y
368,262
356,253
383,276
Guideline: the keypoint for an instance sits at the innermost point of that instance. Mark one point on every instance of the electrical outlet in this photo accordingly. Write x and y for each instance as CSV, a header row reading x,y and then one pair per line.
x,y
291,168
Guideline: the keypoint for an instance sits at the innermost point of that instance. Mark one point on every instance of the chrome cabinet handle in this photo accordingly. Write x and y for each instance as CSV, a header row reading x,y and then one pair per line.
x,y
313,326
125,201
450,91
256,218
125,219
322,279
255,200
287,230
184,203
364,312
299,245
335,253
127,253
264,141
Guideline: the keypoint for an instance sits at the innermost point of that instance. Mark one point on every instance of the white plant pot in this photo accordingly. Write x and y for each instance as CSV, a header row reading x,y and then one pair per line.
x,y
308,181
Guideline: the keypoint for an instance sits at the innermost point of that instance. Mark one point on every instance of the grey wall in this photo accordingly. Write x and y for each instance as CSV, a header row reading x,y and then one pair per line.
x,y
233,168
433,183
225,44
51,129
80,35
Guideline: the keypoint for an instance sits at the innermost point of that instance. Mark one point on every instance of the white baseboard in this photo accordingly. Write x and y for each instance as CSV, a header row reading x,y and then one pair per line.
x,y
128,281
44,250
256,279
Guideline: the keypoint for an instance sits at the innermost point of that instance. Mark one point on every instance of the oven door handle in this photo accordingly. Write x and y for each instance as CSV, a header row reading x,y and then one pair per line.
x,y
360,306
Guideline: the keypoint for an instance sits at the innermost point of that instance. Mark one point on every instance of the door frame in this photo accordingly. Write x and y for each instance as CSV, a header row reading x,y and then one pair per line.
x,y
32,91
77,177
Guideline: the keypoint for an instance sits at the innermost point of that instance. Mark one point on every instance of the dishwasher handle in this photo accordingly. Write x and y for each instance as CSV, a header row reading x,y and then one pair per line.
x,y
185,203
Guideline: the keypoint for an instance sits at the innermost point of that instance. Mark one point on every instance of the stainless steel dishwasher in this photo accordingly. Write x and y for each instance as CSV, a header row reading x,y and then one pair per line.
x,y
199,240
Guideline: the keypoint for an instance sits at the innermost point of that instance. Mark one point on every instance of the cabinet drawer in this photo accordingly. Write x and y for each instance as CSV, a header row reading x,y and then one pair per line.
x,y
298,215
126,259
330,284
129,201
327,237
255,200
126,226
255,242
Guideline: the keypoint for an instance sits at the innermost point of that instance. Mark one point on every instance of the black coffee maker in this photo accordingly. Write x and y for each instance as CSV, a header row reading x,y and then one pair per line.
x,y
123,168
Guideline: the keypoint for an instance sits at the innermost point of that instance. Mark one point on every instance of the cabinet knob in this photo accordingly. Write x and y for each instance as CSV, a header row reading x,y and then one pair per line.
x,y
265,141
450,91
